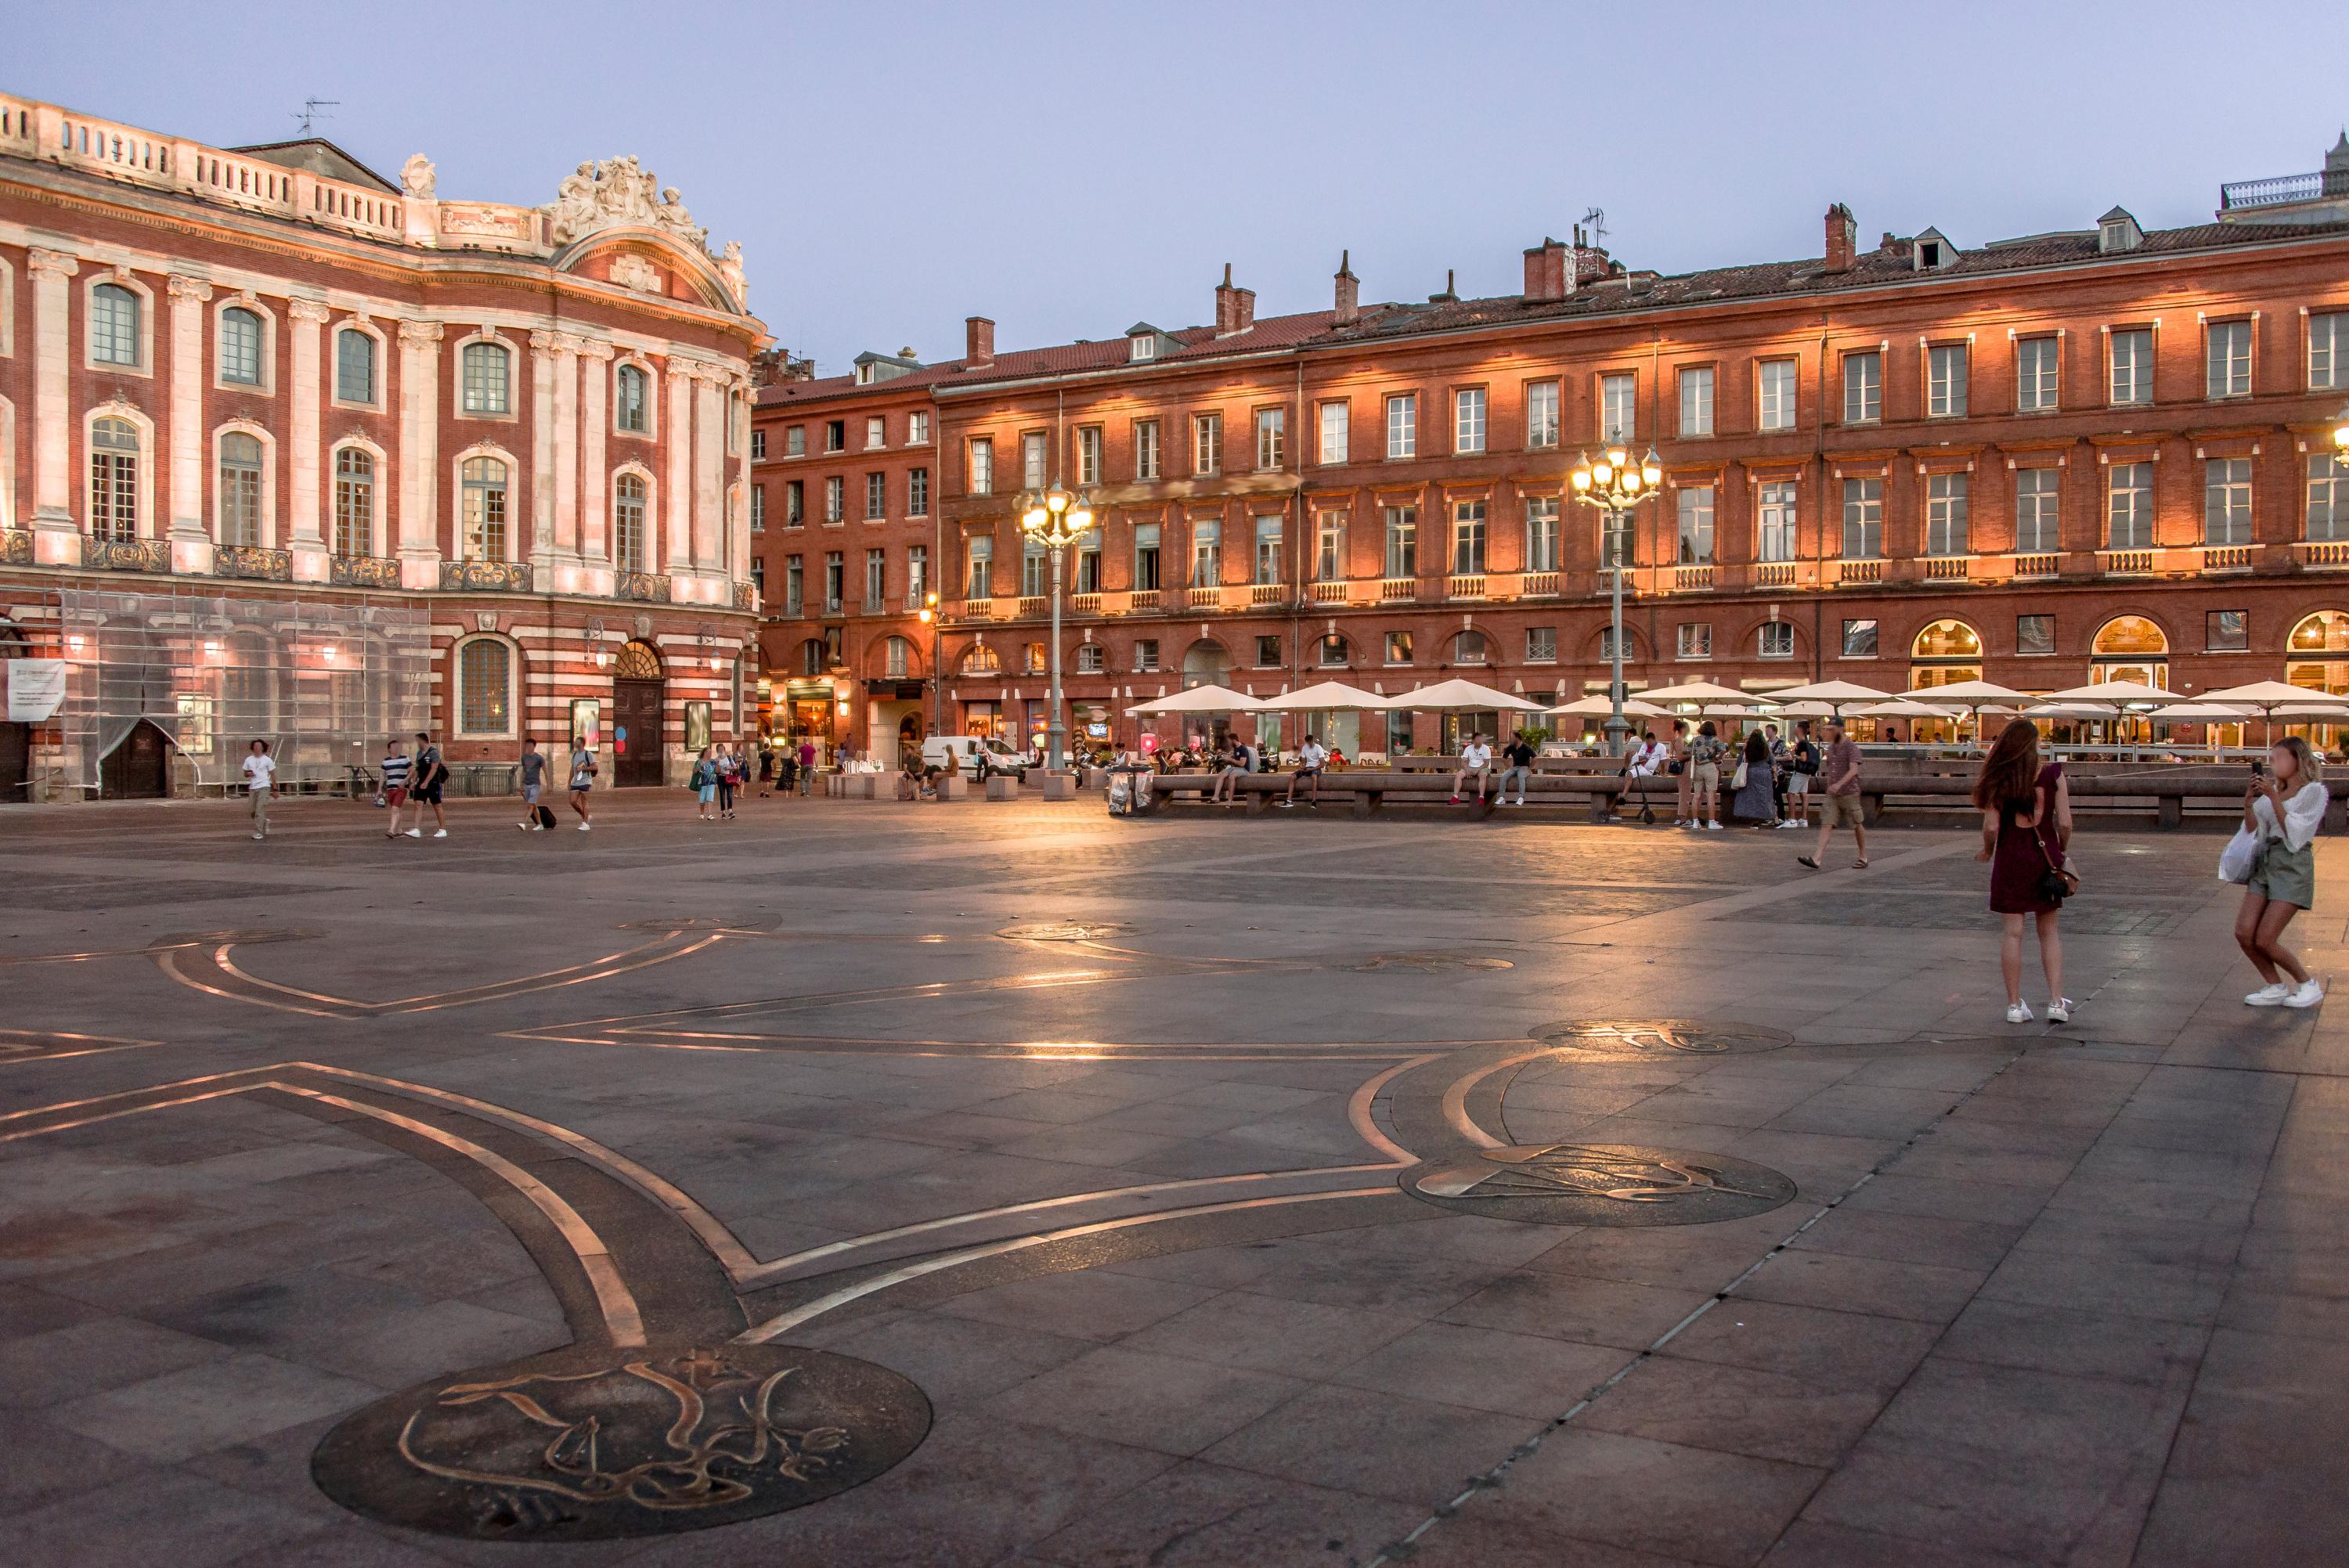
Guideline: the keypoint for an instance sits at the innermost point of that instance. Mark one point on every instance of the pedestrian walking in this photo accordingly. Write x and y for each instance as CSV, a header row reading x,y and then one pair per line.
x,y
1781,772
260,778
1676,751
704,785
583,779
1519,755
787,769
1757,798
807,765
729,780
2284,806
424,789
766,769
2026,821
1706,753
533,779
1802,766
1839,776
396,774
1310,760
1475,762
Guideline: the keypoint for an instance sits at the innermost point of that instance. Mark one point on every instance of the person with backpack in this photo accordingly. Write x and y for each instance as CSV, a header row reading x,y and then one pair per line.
x,y
533,778
430,774
729,766
1704,755
583,778
704,785
397,772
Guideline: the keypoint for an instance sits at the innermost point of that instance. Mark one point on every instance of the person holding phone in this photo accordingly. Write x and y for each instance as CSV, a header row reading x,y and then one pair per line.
x,y
2284,806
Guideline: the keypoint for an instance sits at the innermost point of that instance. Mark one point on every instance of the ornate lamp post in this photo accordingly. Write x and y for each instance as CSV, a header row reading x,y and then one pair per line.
x,y
1056,518
929,614
1614,484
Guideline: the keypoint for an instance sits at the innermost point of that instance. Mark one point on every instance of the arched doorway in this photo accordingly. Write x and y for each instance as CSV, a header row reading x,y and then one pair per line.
x,y
1944,654
2317,657
1206,663
16,739
2130,648
639,705
139,766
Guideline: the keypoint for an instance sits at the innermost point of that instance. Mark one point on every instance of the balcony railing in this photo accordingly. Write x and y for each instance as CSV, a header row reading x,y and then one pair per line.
x,y
125,554
2037,567
1859,571
1084,604
1329,592
2324,552
1397,590
1775,574
363,571
1464,586
1208,598
1948,568
644,587
254,562
2238,194
2128,562
1267,594
1538,585
976,609
2226,558
1032,604
1142,599
486,576
1690,579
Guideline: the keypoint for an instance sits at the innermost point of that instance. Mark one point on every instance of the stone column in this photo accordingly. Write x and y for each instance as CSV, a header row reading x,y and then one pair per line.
x,y
53,514
419,454
191,542
708,475
542,444
595,422
308,542
739,566
566,445
678,435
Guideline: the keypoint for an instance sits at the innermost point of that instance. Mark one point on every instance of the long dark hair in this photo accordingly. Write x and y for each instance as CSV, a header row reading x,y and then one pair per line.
x,y
1757,750
2010,772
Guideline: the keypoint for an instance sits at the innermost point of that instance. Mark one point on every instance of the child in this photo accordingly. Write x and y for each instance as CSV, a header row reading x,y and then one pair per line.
x,y
394,781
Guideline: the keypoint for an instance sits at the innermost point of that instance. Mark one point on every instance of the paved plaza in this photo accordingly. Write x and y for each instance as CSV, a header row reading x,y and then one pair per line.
x,y
864,1182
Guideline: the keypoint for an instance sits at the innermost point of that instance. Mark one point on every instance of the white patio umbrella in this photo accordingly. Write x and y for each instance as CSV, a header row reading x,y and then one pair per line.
x,y
2200,712
1457,697
1902,707
1702,692
1969,697
2120,693
2268,698
1198,699
1599,707
1327,697
1829,696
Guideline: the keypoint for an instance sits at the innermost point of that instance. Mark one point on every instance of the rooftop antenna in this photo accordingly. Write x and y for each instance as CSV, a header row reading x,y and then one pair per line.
x,y
310,107
1595,221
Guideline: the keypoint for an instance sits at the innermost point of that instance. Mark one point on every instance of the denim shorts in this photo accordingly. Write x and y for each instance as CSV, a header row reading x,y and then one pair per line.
x,y
2284,874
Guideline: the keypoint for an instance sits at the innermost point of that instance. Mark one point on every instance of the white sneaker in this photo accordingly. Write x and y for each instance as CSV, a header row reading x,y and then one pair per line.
x,y
258,837
2019,1014
2268,996
440,832
415,832
1713,827
2059,1011
2310,993
582,827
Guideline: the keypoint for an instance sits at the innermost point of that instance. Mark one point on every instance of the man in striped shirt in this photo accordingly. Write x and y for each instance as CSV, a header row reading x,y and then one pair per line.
x,y
395,765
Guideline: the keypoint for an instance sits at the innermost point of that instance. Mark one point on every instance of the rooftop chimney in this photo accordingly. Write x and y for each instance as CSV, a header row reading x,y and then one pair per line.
x,y
1349,307
1234,308
979,340
1843,238
1549,270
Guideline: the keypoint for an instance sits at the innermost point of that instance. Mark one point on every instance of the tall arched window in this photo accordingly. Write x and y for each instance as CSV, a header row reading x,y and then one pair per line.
x,y
354,365
485,378
485,687
484,513
2130,648
897,659
630,402
240,347
354,500
1471,648
113,325
629,522
980,660
114,478
2318,654
240,489
1944,654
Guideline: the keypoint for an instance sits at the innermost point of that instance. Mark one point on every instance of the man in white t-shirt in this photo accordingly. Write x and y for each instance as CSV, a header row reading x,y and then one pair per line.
x,y
1310,760
260,779
1646,760
1475,761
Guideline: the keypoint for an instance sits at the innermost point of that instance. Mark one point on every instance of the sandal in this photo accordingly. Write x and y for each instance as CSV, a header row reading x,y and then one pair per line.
x,y
1859,865
1807,860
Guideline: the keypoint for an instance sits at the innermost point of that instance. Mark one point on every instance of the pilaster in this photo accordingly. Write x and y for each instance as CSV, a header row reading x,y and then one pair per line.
x,y
566,447
708,475
53,445
594,424
420,453
677,433
541,447
305,319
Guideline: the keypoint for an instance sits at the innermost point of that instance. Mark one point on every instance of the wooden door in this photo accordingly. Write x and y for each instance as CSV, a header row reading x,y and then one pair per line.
x,y
636,712
139,769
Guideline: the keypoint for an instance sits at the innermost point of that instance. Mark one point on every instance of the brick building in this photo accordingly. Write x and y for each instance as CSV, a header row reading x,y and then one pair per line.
x,y
292,450
2093,454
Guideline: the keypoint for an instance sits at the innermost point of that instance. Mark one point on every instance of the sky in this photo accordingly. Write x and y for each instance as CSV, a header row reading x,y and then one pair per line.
x,y
1070,168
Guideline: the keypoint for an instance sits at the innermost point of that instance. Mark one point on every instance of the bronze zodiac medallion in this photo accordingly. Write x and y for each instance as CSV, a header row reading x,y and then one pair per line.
x,y
1597,1184
1661,1036
594,1442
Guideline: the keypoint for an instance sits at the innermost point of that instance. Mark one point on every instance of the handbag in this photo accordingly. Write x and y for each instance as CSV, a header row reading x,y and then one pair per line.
x,y
2058,882
2242,852
1738,780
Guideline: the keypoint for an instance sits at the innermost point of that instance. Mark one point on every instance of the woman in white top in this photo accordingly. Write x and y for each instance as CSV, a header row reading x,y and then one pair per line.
x,y
2283,806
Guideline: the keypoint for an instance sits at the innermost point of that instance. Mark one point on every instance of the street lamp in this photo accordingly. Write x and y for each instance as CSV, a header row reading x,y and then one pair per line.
x,y
929,614
1055,517
1615,484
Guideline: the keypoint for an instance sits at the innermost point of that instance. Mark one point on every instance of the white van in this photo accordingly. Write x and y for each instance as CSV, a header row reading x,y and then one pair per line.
x,y
976,757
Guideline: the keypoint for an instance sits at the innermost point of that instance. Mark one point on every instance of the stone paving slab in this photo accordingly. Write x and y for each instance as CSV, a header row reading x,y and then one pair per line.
x,y
1103,1136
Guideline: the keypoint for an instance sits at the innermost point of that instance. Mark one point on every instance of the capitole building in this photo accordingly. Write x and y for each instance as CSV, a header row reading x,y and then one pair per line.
x,y
294,451
2100,453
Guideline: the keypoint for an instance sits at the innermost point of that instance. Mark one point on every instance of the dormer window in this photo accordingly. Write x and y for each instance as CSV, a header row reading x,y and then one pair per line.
x,y
1929,254
1144,346
1933,250
2118,231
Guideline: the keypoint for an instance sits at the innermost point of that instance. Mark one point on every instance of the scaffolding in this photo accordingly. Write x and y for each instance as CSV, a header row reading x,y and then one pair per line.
x,y
323,683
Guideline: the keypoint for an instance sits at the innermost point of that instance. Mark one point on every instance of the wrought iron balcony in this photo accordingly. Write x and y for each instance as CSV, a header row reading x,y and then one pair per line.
x,y
486,576
643,587
253,561
2282,189
363,572
127,555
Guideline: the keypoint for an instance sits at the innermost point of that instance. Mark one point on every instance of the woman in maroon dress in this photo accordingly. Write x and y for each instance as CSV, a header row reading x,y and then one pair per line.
x,y
2026,821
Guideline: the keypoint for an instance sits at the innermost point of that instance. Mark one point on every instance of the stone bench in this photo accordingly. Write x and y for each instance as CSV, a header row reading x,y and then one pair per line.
x,y
1002,787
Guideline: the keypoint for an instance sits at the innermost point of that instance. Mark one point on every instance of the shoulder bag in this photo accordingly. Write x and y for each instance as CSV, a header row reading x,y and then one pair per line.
x,y
2059,881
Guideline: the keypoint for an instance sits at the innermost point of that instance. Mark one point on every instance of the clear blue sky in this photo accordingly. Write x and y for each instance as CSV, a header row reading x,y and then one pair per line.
x,y
1068,168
